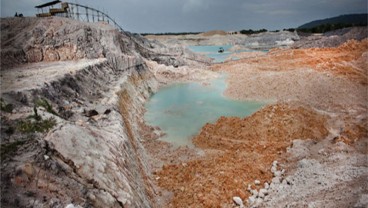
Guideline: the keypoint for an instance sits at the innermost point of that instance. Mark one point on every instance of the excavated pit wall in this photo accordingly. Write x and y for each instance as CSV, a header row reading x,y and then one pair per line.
x,y
88,160
103,153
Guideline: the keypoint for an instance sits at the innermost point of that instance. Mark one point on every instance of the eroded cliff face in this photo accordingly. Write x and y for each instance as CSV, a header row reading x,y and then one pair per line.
x,y
92,153
32,40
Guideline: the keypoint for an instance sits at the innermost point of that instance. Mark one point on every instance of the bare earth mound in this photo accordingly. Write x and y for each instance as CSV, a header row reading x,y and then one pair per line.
x,y
327,78
317,129
240,151
214,32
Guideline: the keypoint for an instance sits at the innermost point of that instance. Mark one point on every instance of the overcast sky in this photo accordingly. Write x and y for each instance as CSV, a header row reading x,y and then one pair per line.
x,y
204,15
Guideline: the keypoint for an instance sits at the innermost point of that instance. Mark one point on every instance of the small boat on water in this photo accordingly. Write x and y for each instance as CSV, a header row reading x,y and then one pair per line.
x,y
221,50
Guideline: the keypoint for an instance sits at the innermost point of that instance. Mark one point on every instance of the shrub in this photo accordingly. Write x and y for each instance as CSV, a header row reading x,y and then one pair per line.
x,y
249,32
6,107
9,148
43,103
29,126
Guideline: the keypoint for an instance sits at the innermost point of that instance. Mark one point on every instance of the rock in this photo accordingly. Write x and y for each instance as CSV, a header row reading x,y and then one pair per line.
x,y
28,169
274,163
266,185
277,173
262,193
80,122
273,169
90,113
276,180
249,187
363,201
70,206
25,171
258,201
107,111
99,117
304,163
257,182
312,205
46,157
238,201
251,200
288,181
54,202
34,55
254,192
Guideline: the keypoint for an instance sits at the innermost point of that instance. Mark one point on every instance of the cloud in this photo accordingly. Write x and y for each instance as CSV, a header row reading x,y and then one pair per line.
x,y
9,7
195,5
202,15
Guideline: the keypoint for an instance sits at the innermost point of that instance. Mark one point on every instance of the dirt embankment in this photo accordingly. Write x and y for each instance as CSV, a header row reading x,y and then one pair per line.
x,y
239,151
332,38
66,134
326,78
214,32
348,60
72,109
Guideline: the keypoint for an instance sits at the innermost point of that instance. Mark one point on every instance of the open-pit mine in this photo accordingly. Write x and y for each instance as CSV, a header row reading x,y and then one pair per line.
x,y
93,116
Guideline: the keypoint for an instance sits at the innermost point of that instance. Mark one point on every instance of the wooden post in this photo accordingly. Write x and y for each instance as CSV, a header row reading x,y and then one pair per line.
x,y
77,13
87,14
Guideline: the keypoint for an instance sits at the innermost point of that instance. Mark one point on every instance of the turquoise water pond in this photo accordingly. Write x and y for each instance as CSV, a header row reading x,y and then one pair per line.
x,y
212,52
181,110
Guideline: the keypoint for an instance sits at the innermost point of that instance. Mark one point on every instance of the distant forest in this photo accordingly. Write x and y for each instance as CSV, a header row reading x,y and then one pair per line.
x,y
334,23
249,32
172,33
318,26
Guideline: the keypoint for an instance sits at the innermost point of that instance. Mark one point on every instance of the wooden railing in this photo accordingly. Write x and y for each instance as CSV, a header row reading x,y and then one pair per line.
x,y
82,13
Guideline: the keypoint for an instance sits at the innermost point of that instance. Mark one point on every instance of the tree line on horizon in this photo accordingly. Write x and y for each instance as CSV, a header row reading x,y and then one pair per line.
x,y
329,27
171,33
323,28
317,26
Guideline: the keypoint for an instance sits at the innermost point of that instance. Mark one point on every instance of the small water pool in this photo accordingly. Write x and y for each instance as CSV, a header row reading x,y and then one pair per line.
x,y
181,110
212,52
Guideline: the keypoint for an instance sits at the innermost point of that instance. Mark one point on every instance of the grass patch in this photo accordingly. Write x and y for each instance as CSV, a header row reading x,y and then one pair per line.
x,y
29,126
6,107
48,107
10,130
7,149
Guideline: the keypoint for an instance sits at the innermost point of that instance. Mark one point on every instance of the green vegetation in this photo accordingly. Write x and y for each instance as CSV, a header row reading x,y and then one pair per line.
x,y
6,107
43,103
334,23
171,33
289,29
35,116
347,20
327,27
29,126
249,32
6,149
35,123
10,130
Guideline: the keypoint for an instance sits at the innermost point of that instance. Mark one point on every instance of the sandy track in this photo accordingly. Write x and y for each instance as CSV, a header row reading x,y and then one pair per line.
x,y
25,76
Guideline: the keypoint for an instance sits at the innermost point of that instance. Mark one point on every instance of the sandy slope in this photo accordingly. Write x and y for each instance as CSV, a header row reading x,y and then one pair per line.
x,y
325,78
